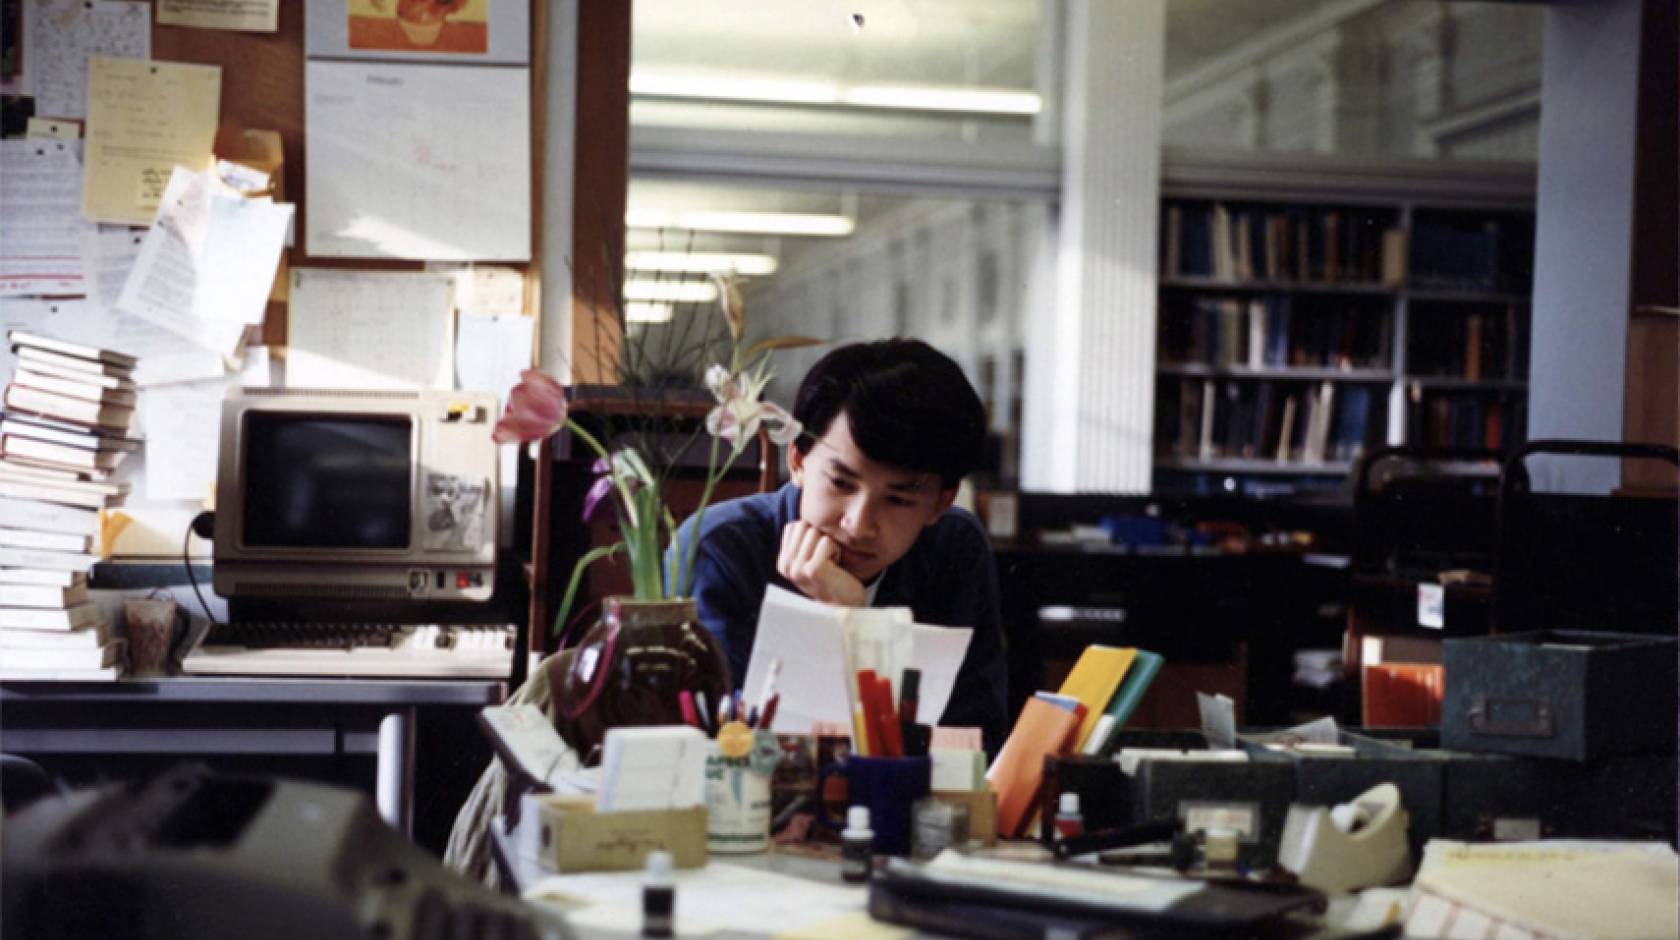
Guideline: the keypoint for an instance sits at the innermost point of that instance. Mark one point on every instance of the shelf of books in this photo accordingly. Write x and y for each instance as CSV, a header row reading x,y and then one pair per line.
x,y
1294,336
63,431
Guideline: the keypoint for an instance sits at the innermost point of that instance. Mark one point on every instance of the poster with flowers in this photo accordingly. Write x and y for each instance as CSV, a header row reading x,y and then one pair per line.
x,y
483,31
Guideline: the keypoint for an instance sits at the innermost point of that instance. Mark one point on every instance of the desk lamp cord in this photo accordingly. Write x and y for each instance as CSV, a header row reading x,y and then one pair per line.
x,y
202,519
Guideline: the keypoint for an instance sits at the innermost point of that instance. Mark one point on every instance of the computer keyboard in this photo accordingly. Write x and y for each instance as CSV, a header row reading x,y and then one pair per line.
x,y
477,651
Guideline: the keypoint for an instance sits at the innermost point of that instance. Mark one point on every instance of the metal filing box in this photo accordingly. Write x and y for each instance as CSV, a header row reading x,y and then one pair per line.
x,y
1569,694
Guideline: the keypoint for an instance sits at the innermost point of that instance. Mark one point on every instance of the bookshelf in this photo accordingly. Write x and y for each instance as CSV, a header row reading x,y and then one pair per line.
x,y
1300,326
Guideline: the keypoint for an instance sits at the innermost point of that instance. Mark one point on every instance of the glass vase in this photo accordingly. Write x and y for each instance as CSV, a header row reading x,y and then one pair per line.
x,y
629,668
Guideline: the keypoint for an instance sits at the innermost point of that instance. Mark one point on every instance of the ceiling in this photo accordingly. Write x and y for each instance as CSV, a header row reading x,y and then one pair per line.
x,y
949,42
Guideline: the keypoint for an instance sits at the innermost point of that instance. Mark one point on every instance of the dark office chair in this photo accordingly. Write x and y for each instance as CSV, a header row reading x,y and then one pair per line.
x,y
22,781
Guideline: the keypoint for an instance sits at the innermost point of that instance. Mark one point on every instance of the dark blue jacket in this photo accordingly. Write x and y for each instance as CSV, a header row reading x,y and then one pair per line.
x,y
947,578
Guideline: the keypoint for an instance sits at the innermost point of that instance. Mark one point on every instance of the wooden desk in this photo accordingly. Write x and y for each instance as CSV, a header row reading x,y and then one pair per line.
x,y
204,716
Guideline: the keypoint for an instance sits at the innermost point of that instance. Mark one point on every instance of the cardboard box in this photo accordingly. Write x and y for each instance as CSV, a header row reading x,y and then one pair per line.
x,y
574,837
982,811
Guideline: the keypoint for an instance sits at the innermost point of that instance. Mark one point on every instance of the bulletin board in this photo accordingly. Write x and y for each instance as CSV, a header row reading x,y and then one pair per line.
x,y
263,88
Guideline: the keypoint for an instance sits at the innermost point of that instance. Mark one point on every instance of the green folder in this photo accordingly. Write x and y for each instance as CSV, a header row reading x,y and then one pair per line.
x,y
1126,698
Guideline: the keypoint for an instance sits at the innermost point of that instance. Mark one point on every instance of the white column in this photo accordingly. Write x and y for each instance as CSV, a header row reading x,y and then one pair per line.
x,y
1584,239
1093,381
559,128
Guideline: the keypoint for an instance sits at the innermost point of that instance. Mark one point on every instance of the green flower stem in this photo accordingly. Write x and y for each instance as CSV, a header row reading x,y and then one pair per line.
x,y
715,473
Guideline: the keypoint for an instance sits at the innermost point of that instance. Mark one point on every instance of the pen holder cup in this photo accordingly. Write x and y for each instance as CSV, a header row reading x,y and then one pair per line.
x,y
890,787
738,796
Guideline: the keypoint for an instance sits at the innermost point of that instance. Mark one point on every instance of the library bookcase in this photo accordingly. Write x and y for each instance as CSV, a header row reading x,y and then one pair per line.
x,y
1310,313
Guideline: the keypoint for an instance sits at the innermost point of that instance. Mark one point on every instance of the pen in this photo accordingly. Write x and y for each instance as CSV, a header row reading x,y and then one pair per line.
x,y
700,709
769,688
865,714
725,710
769,711
892,744
909,696
685,704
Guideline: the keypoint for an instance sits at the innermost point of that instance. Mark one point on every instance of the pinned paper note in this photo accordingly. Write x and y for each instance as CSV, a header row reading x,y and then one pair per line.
x,y
40,223
181,422
256,16
181,283
429,162
471,31
490,352
351,329
108,256
61,35
144,119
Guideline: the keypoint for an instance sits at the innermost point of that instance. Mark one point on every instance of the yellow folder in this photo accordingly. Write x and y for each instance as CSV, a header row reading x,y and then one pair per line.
x,y
1093,681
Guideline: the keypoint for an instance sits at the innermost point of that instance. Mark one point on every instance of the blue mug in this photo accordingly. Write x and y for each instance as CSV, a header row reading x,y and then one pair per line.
x,y
890,787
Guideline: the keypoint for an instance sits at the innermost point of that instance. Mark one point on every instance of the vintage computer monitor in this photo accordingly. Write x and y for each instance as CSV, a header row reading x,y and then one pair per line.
x,y
356,496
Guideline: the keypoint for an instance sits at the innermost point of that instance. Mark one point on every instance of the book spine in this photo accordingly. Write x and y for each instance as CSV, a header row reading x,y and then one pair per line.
x,y
36,558
47,517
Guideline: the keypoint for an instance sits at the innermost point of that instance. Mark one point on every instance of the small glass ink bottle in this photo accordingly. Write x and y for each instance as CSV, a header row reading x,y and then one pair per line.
x,y
659,896
857,842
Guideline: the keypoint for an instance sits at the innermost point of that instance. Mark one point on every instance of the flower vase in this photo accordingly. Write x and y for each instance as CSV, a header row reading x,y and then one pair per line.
x,y
629,668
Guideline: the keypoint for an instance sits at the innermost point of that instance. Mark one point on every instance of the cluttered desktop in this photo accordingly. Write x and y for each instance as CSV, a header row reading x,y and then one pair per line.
x,y
819,796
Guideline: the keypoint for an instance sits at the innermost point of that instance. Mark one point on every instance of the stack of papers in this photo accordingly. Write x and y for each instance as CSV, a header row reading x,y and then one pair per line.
x,y
809,638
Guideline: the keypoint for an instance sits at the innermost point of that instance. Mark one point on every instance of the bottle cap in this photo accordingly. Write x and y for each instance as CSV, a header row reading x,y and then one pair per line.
x,y
1068,803
659,867
857,817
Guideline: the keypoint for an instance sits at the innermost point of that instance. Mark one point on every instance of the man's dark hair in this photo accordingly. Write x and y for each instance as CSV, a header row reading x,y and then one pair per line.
x,y
907,405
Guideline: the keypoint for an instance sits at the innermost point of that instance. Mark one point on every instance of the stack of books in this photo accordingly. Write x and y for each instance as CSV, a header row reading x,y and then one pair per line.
x,y
63,433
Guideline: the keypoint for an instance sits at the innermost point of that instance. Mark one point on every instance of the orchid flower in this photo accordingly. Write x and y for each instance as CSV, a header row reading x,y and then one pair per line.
x,y
739,412
536,408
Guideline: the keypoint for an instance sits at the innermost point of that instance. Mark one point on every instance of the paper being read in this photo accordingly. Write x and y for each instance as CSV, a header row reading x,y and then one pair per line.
x,y
806,636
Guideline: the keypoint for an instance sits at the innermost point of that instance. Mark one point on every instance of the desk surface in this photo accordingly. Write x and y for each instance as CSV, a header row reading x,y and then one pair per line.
x,y
731,881
232,689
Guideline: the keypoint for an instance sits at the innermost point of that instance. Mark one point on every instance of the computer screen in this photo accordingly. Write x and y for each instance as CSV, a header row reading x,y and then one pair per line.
x,y
339,482
347,494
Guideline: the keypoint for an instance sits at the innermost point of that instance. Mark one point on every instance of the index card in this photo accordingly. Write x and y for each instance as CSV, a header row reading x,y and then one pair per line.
x,y
144,119
490,352
351,329
48,129
256,16
61,35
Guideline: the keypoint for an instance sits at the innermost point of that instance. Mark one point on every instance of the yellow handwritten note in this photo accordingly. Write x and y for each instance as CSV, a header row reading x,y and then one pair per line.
x,y
144,118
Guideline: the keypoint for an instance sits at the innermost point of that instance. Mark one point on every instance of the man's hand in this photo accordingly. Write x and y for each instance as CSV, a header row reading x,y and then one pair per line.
x,y
811,561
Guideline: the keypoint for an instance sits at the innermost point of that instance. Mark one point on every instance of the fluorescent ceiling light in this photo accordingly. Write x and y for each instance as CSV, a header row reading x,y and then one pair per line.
x,y
775,91
643,312
682,292
700,262
928,98
758,223
952,98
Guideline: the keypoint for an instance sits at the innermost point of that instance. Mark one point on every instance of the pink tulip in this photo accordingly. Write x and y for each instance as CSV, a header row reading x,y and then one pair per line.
x,y
536,408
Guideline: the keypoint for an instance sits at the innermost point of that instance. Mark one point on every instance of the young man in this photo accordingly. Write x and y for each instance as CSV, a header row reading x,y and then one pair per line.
x,y
890,429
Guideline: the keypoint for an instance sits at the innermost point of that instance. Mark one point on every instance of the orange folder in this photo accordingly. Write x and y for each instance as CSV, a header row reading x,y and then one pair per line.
x,y
1043,729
